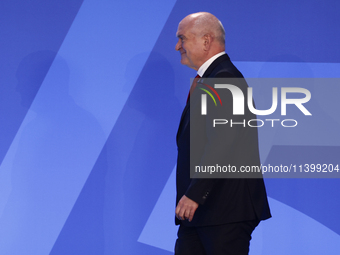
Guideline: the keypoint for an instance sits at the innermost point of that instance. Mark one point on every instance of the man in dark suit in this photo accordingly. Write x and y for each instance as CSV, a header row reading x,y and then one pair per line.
x,y
216,215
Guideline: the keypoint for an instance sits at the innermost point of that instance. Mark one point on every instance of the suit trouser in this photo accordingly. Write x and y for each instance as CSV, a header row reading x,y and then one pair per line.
x,y
226,239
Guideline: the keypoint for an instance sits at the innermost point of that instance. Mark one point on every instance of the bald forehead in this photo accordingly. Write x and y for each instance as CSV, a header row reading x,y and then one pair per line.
x,y
198,15
185,26
198,21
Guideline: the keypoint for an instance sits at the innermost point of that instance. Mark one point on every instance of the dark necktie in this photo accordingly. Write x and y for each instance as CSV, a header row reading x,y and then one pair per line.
x,y
193,86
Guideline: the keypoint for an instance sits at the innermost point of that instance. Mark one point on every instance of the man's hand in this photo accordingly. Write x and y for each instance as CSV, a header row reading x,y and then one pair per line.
x,y
186,208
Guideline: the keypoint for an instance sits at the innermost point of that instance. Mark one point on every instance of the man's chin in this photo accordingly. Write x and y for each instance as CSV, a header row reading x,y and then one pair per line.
x,y
184,61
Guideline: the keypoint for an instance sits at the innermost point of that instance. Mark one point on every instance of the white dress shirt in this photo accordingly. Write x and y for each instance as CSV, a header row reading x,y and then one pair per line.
x,y
207,63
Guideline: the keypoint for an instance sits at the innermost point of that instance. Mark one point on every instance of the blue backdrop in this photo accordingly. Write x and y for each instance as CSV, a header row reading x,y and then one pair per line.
x,y
91,96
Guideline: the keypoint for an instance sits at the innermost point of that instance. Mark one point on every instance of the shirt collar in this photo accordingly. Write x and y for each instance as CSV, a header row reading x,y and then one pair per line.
x,y
207,63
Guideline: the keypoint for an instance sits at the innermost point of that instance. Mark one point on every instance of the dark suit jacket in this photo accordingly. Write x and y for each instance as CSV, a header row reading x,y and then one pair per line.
x,y
229,199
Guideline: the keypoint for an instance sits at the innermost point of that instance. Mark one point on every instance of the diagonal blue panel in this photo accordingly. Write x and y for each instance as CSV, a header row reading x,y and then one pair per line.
x,y
67,125
128,198
27,27
105,71
160,230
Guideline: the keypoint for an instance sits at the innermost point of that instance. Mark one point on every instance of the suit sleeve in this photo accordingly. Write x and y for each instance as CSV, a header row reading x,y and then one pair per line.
x,y
212,146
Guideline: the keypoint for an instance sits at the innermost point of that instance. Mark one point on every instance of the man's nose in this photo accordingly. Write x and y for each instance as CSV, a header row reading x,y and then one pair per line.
x,y
178,45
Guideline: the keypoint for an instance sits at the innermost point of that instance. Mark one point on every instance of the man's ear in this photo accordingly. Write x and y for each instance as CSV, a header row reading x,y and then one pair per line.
x,y
207,39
